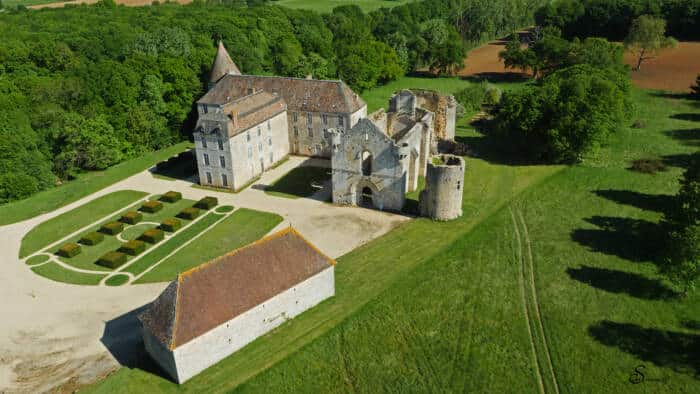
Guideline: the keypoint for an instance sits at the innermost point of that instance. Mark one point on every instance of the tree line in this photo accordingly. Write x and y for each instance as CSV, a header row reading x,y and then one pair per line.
x,y
85,87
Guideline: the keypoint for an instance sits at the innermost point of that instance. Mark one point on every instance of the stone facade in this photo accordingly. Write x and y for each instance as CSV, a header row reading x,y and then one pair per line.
x,y
444,185
445,109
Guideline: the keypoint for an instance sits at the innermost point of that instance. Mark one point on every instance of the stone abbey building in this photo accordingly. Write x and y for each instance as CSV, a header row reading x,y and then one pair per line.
x,y
247,124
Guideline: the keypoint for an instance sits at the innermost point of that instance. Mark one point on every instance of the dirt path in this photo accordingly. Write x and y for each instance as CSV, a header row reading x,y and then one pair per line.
x,y
52,333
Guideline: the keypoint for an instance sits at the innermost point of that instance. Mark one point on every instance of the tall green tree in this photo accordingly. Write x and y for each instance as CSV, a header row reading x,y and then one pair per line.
x,y
647,37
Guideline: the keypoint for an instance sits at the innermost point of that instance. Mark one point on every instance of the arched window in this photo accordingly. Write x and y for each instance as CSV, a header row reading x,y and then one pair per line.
x,y
366,163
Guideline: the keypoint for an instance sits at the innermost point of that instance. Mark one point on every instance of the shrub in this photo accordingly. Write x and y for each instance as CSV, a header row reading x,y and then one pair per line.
x,y
170,225
206,203
69,250
648,166
112,228
472,97
152,236
151,206
188,213
112,260
131,217
92,238
133,248
171,196
639,124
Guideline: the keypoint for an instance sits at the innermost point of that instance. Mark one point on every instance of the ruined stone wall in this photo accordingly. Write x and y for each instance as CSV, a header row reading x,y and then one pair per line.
x,y
445,109
444,185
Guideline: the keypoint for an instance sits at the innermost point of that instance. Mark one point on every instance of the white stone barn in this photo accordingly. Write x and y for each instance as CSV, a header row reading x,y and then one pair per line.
x,y
215,309
249,123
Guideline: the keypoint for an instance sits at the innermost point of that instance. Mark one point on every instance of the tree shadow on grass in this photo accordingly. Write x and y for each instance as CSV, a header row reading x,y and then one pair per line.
x,y
690,137
631,239
691,117
675,350
182,167
614,281
497,77
681,160
122,337
492,150
648,202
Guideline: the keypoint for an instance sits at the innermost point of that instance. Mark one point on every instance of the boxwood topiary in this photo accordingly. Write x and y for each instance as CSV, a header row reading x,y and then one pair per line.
x,y
131,217
188,213
91,238
69,250
112,260
171,196
207,203
170,225
151,206
112,228
152,236
133,247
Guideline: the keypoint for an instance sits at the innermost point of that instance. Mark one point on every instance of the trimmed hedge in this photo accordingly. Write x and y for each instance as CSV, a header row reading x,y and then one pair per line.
x,y
171,196
207,203
151,206
92,238
131,217
170,225
188,213
69,250
112,228
133,247
112,260
152,236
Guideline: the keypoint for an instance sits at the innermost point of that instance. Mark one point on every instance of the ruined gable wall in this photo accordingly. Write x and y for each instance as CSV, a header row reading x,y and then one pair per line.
x,y
444,108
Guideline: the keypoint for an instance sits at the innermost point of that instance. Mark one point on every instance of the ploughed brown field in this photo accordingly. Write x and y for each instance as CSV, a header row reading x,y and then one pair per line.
x,y
673,69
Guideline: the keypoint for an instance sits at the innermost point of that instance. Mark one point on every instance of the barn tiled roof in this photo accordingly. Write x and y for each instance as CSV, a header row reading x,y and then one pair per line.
x,y
252,110
300,94
223,64
216,292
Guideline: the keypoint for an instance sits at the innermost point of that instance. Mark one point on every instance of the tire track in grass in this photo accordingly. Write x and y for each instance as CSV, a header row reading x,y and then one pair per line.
x,y
518,251
538,315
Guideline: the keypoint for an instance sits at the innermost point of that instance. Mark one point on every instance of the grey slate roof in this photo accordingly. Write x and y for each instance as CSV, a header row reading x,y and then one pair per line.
x,y
223,64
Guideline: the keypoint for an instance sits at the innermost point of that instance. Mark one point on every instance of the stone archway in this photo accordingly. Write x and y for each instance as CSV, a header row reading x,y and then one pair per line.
x,y
366,198
367,195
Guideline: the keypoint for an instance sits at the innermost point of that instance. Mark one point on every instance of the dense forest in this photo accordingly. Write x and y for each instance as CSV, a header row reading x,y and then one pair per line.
x,y
612,18
85,87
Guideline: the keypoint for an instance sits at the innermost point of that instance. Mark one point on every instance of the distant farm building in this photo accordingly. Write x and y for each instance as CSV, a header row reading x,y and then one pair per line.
x,y
213,310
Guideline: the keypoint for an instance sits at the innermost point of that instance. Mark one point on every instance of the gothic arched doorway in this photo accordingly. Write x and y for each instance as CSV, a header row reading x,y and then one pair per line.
x,y
366,198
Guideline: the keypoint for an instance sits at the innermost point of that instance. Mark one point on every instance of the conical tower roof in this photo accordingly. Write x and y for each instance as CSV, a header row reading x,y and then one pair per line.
x,y
222,65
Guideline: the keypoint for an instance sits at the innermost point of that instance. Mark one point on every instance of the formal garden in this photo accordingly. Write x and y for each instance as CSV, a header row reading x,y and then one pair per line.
x,y
131,237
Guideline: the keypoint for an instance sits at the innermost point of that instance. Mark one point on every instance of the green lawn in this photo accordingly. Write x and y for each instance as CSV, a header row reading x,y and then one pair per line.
x,y
56,228
299,182
88,183
88,258
328,5
441,306
117,280
239,229
57,273
168,246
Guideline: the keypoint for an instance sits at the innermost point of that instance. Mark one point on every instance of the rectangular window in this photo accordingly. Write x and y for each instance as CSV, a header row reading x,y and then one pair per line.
x,y
205,109
311,132
224,180
260,147
271,161
269,125
206,160
222,160
296,131
247,136
325,119
259,131
250,152
209,178
295,115
309,119
204,142
341,120
221,144
269,141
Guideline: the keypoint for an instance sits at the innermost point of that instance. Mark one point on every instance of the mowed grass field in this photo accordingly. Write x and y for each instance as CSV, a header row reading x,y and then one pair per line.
x,y
547,281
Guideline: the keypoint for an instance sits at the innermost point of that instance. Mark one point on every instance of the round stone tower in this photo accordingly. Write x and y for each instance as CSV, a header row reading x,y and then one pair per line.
x,y
444,181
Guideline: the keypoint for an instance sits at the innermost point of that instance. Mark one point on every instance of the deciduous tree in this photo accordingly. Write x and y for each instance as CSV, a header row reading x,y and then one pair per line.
x,y
647,37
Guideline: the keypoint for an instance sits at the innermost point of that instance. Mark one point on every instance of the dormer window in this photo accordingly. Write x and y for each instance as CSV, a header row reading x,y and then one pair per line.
x,y
204,142
205,109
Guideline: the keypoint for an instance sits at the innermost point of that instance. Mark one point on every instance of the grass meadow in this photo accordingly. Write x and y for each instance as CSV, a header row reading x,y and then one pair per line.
x,y
548,282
